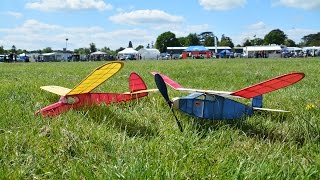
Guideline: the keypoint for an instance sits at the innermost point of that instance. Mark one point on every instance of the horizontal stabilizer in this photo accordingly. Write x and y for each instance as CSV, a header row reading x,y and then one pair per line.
x,y
62,91
271,110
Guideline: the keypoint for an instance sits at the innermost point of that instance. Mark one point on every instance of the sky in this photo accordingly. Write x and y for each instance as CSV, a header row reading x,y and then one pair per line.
x,y
37,24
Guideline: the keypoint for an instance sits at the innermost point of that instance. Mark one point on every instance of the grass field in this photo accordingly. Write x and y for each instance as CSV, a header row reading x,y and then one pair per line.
x,y
140,140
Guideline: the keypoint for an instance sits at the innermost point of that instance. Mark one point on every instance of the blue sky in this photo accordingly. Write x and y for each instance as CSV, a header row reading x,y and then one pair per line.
x,y
37,24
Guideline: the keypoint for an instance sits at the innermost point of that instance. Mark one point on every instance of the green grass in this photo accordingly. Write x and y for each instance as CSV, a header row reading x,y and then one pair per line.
x,y
140,139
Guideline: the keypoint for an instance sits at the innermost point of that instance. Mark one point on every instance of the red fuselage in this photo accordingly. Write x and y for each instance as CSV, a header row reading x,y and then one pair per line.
x,y
86,100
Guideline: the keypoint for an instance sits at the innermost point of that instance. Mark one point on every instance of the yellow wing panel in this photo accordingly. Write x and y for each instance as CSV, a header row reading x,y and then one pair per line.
x,y
56,90
97,77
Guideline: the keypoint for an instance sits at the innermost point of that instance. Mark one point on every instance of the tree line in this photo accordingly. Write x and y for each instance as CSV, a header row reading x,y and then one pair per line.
x,y
276,36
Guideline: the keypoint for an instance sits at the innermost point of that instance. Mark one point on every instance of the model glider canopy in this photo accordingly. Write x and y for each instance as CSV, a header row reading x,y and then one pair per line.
x,y
269,85
97,77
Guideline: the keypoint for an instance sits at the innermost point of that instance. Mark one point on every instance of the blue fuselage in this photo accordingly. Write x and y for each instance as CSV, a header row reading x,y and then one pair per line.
x,y
213,107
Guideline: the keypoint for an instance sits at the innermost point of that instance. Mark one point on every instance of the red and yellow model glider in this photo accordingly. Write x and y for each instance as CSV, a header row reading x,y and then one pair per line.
x,y
82,95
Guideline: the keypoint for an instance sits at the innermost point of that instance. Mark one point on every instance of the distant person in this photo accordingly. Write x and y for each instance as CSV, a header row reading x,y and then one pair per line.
x,y
10,57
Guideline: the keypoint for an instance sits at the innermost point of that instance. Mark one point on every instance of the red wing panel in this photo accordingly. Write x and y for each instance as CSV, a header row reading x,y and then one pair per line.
x,y
136,83
169,81
269,85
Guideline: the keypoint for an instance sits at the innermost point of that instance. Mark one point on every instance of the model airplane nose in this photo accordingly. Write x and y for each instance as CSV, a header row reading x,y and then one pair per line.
x,y
175,102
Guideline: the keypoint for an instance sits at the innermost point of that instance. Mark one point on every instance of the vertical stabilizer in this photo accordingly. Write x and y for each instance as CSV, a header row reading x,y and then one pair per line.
x,y
136,83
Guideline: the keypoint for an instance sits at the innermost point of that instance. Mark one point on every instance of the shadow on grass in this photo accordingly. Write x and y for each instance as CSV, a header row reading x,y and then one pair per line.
x,y
118,120
256,130
106,114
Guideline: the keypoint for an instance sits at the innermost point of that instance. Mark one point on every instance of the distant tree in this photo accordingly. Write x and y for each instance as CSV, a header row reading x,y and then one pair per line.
x,y
2,51
247,42
192,40
108,51
275,36
82,51
301,44
208,41
47,50
130,45
93,47
290,43
20,51
311,39
182,41
166,39
120,49
204,35
257,41
139,47
226,41
13,49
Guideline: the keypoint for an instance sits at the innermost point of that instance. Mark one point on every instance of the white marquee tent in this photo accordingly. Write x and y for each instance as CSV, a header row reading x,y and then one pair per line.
x,y
149,53
127,51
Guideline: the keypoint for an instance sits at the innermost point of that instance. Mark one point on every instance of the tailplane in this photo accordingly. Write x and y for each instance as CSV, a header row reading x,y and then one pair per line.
x,y
257,105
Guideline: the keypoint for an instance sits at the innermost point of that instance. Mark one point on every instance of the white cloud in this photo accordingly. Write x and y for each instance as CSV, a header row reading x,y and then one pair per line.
x,y
53,5
303,4
146,17
33,35
297,33
221,4
257,26
14,14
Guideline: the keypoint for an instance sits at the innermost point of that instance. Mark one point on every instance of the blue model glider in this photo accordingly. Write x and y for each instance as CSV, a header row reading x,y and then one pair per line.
x,y
217,105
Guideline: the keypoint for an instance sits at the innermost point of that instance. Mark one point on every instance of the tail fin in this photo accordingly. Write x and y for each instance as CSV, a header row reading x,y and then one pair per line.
x,y
136,83
257,101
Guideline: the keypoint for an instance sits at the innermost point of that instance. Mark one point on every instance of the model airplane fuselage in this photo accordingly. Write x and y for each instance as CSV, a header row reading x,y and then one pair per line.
x,y
208,106
82,95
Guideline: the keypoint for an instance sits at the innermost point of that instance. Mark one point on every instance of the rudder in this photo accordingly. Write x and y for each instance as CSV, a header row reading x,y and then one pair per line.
x,y
136,83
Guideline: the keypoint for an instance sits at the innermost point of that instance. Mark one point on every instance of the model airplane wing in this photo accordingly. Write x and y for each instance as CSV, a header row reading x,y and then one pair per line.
x,y
56,90
97,77
269,85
